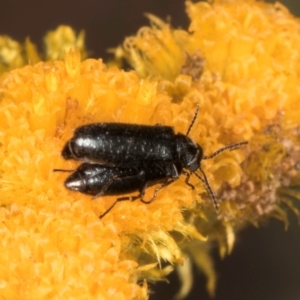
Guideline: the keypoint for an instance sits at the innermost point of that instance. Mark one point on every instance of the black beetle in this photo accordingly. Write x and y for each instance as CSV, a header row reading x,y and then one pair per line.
x,y
126,144
99,180
156,151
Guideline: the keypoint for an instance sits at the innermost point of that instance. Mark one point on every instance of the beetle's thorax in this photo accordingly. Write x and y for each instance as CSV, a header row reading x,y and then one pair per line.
x,y
189,153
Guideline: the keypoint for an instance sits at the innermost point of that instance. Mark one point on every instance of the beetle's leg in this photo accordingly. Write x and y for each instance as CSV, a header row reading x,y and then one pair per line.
x,y
104,188
164,184
62,170
172,174
108,210
187,179
119,200
128,198
110,181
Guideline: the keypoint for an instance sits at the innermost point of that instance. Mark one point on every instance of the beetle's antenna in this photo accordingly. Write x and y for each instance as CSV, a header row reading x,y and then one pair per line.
x,y
229,147
211,192
194,119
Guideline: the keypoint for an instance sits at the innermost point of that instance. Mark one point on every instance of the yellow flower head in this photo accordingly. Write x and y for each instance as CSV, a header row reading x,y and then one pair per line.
x,y
247,54
238,63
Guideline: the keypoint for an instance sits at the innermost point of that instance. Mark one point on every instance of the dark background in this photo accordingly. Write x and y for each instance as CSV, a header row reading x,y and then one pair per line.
x,y
265,263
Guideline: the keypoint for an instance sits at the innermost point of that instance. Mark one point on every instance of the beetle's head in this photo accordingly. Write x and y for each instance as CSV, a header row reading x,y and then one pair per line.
x,y
190,153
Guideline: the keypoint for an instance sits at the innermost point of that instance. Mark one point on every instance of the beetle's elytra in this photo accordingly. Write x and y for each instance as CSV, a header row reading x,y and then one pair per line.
x,y
126,144
98,180
122,158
